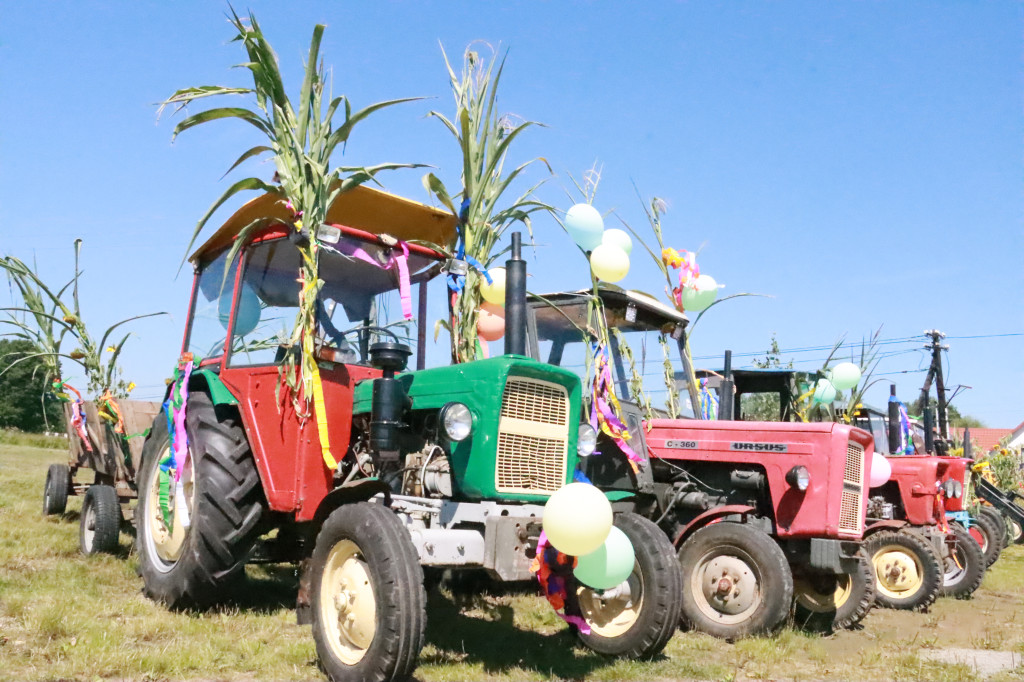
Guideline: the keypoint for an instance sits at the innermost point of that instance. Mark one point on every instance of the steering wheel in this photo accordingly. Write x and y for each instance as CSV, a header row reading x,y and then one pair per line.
x,y
379,330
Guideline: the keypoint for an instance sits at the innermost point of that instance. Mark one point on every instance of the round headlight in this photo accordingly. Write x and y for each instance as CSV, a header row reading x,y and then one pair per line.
x,y
457,421
586,443
798,477
952,489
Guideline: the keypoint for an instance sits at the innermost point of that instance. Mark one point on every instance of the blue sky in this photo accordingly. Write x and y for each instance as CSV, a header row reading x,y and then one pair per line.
x,y
859,162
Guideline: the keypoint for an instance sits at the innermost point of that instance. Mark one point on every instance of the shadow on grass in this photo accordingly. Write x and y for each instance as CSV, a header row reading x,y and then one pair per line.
x,y
497,644
265,589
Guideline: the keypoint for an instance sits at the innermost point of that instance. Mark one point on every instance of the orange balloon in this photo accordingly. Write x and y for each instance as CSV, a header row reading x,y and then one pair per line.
x,y
490,323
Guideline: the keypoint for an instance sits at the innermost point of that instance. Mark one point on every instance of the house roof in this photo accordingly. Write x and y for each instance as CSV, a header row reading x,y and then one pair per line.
x,y
986,439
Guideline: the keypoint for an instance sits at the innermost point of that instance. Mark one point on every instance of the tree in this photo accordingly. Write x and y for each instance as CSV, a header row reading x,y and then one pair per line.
x,y
22,389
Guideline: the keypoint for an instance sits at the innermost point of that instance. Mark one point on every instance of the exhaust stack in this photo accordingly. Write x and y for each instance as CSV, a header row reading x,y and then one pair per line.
x,y
515,300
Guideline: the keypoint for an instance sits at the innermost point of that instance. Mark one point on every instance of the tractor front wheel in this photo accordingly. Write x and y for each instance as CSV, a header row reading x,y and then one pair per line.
x,y
736,581
369,605
637,618
195,542
964,564
990,535
100,525
55,492
907,571
827,602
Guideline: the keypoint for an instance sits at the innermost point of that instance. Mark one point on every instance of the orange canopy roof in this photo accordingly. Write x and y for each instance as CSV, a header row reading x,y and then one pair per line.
x,y
363,208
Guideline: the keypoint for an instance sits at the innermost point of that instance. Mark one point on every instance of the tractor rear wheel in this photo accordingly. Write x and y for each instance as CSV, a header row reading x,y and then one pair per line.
x,y
100,525
736,581
964,565
55,492
369,605
825,603
188,559
990,536
637,618
907,570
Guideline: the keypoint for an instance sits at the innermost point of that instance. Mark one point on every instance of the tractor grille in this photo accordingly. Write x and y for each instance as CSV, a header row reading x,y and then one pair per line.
x,y
533,437
853,489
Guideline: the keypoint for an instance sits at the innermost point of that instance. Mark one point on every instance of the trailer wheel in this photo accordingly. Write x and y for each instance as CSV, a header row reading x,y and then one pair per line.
x,y
907,571
189,566
369,605
1014,531
990,536
736,581
55,492
964,565
100,526
637,618
828,602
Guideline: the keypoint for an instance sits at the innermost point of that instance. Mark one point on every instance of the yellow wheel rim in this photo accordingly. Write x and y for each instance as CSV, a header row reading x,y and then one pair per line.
x,y
898,571
168,543
815,595
611,613
348,606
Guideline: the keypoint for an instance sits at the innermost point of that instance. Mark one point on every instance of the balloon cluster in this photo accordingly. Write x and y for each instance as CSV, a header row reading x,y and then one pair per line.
x,y
696,292
578,522
609,249
490,324
841,377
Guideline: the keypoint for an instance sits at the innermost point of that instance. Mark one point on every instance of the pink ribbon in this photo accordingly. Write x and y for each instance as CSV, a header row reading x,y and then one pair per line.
x,y
401,261
180,435
602,415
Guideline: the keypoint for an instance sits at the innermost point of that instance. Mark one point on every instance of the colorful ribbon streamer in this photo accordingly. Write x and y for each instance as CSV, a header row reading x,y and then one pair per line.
x,y
77,410
554,573
173,463
605,408
906,446
398,261
686,263
708,401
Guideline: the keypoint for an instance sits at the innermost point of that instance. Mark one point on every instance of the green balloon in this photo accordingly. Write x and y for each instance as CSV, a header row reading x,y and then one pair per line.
x,y
609,565
824,392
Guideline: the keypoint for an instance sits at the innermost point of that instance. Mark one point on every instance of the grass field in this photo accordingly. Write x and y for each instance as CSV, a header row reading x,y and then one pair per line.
x,y
68,617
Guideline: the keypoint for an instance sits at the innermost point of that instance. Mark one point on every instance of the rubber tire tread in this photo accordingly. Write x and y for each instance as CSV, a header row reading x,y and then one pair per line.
x,y
971,581
931,562
1011,531
398,588
849,615
663,594
226,513
55,490
1000,523
776,578
996,533
108,520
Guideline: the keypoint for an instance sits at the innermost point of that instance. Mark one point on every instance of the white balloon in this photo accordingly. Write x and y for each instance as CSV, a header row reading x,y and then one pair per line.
x,y
619,238
577,519
585,225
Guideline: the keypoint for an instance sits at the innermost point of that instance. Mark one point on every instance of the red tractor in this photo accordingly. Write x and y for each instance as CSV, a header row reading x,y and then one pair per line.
x,y
439,468
762,514
915,553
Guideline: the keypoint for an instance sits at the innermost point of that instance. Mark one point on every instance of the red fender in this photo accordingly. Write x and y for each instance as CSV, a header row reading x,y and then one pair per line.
x,y
884,525
710,516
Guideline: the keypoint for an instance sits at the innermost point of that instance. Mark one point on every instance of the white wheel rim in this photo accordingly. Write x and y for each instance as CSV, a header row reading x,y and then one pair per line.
x,y
89,526
956,565
165,546
726,587
611,613
348,605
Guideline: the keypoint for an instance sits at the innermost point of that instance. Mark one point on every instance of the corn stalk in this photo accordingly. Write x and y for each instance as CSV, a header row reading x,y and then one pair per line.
x,y
484,137
301,140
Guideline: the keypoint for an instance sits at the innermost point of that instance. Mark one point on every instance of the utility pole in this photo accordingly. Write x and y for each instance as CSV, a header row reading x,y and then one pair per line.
x,y
935,374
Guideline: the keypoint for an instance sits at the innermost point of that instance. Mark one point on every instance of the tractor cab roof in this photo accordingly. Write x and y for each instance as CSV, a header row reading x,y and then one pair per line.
x,y
623,310
362,209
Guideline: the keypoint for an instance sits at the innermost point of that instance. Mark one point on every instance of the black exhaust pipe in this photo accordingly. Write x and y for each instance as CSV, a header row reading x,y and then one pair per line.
x,y
929,435
515,300
726,392
894,421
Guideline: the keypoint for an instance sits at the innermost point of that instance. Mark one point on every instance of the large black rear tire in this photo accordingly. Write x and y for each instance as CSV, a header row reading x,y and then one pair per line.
x,y
736,581
368,602
907,570
964,565
825,603
637,618
189,567
55,491
99,528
